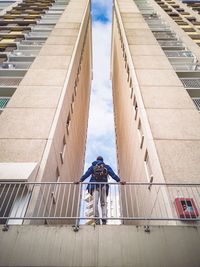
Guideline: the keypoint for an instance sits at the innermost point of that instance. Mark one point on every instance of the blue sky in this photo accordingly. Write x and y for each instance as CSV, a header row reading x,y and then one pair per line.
x,y
101,136
102,11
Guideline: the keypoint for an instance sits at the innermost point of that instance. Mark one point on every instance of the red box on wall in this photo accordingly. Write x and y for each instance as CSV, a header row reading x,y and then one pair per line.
x,y
186,208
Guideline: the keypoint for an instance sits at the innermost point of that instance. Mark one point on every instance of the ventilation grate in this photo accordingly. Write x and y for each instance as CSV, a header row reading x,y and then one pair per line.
x,y
10,81
191,83
197,102
3,102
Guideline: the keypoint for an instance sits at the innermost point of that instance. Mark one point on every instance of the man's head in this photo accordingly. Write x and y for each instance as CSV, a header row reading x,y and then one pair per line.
x,y
100,158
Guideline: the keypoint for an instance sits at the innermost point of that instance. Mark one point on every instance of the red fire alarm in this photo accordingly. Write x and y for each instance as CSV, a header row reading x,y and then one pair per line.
x,y
186,208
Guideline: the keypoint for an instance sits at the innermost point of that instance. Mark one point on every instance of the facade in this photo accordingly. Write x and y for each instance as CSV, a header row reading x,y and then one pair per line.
x,y
45,80
156,90
45,87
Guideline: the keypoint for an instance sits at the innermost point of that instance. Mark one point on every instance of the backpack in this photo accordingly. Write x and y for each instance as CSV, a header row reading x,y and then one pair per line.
x,y
100,171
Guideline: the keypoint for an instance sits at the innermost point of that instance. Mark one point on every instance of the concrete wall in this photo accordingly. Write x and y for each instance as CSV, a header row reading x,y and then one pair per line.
x,y
165,115
157,125
33,127
104,246
46,120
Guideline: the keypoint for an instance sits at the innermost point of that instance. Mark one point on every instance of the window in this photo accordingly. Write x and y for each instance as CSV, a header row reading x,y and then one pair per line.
x,y
128,72
57,175
140,133
135,107
62,154
148,167
68,123
72,104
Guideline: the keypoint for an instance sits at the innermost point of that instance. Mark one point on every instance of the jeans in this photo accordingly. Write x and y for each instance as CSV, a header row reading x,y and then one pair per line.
x,y
100,193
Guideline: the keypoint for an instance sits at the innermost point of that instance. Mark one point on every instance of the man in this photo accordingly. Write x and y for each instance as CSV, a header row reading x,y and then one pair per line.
x,y
99,172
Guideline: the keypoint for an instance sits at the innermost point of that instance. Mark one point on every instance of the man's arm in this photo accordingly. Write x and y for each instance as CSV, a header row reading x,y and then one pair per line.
x,y
86,174
112,174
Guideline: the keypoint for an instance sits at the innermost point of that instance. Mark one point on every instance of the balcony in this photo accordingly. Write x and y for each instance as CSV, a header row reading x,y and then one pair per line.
x,y
178,57
165,36
181,66
11,77
190,79
132,203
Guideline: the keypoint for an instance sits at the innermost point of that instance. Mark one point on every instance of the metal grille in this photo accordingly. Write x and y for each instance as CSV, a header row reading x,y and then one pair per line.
x,y
190,82
178,54
69,202
164,35
25,53
197,102
10,81
4,101
158,28
180,67
171,43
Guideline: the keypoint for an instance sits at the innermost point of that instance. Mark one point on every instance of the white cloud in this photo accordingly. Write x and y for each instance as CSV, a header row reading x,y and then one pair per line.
x,y
101,115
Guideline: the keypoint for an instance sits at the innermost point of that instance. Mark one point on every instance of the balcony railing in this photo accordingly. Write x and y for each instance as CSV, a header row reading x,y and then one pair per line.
x,y
69,202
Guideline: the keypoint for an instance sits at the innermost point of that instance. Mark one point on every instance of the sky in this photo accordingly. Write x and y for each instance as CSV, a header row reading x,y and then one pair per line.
x,y
101,136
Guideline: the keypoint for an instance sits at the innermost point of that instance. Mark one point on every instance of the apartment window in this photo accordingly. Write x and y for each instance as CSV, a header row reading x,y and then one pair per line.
x,y
131,86
147,166
131,92
130,83
128,72
125,59
68,123
72,104
76,81
57,175
135,106
79,69
75,90
140,134
62,154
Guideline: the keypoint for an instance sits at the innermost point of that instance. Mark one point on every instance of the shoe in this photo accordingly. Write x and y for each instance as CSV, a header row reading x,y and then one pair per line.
x,y
104,221
97,222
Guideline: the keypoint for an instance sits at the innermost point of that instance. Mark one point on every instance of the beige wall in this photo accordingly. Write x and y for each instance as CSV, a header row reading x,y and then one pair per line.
x,y
166,115
46,119
159,136
33,126
110,246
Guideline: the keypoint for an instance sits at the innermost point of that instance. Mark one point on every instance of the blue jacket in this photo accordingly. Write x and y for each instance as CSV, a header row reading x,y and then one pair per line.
x,y
89,172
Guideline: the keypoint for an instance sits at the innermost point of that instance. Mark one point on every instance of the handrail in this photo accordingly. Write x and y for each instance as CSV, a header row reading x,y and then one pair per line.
x,y
68,202
109,183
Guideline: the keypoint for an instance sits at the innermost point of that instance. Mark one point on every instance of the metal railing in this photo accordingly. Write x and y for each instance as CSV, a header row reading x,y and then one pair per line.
x,y
71,203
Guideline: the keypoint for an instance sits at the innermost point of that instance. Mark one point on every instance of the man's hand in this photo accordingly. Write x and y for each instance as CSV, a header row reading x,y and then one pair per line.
x,y
77,182
122,182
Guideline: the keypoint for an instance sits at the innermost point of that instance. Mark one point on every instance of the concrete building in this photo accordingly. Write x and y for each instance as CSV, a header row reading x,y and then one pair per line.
x,y
155,75
154,60
45,80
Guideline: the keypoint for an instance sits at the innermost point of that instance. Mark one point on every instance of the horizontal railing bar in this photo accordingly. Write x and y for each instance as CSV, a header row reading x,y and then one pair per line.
x,y
95,218
127,183
58,201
